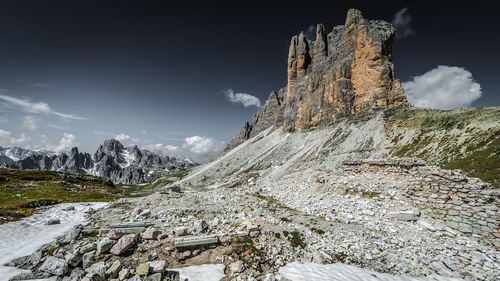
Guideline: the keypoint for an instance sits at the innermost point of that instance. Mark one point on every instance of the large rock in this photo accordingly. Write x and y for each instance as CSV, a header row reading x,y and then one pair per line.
x,y
200,226
72,234
151,234
408,215
181,231
114,234
113,270
73,259
87,259
340,73
142,269
104,246
237,267
93,277
122,245
154,277
55,266
157,266
77,274
99,268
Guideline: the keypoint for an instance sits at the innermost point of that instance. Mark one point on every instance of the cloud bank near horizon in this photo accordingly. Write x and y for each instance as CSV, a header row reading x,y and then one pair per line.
x,y
444,87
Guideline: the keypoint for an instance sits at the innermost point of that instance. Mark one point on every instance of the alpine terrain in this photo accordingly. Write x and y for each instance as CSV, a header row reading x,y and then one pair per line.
x,y
113,161
337,177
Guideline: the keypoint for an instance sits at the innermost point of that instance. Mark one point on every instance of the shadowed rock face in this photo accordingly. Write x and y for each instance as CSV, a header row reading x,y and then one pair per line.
x,y
340,73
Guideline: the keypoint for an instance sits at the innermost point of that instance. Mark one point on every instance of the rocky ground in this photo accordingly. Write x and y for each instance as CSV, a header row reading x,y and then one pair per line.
x,y
309,215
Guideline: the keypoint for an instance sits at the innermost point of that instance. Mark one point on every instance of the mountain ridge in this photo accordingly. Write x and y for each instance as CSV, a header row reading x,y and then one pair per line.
x,y
112,160
340,73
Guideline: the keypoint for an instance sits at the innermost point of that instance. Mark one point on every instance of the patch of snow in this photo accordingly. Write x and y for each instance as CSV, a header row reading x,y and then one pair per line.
x,y
342,272
128,157
204,272
26,236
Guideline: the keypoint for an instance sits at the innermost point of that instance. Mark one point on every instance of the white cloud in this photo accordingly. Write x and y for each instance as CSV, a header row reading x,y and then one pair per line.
x,y
402,23
160,148
444,87
66,143
21,140
5,137
122,137
29,123
144,132
245,99
202,146
38,107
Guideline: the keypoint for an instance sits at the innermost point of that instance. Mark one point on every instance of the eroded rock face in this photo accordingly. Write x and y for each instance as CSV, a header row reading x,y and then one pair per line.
x,y
340,73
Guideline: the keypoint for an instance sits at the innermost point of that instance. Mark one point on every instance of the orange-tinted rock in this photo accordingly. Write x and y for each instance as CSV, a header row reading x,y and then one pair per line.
x,y
344,72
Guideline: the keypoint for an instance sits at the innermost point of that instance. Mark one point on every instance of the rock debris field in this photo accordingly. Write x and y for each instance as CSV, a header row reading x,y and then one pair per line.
x,y
353,221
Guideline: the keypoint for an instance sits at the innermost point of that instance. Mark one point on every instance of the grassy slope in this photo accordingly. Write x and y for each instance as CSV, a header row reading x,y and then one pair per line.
x,y
466,139
23,190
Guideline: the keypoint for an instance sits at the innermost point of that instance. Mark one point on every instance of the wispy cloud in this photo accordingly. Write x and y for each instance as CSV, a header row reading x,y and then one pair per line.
x,y
310,32
60,127
444,87
38,107
402,23
243,98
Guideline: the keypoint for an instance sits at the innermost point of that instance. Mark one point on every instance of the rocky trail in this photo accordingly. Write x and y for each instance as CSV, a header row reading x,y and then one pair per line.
x,y
358,216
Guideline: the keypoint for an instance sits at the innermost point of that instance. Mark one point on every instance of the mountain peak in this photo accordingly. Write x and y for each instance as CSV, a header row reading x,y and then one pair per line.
x,y
344,72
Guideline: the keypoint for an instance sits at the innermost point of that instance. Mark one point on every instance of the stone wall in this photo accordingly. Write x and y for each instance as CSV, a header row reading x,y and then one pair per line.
x,y
465,204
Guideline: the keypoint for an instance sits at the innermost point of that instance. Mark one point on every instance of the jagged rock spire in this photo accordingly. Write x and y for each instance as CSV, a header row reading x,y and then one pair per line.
x,y
346,71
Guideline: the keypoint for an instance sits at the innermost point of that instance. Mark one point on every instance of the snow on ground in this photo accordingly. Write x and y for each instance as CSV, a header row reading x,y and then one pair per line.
x,y
342,272
129,159
26,236
204,272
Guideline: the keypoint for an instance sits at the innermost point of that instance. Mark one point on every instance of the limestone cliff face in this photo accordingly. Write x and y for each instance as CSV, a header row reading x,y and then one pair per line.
x,y
340,73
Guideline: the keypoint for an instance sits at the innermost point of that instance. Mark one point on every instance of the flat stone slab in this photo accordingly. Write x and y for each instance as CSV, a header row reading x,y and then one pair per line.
x,y
196,242
129,230
132,225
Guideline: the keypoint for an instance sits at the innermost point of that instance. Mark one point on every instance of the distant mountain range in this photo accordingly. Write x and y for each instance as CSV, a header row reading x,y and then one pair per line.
x,y
112,160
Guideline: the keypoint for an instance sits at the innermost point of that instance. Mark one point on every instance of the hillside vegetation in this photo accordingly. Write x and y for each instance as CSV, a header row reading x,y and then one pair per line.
x,y
466,139
22,191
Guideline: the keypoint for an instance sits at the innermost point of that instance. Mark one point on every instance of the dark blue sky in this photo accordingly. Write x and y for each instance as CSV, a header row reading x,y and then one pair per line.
x,y
155,71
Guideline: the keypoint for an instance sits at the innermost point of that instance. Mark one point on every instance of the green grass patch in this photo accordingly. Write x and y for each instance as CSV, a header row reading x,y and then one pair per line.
x,y
296,239
467,139
318,231
283,219
364,193
22,191
170,178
